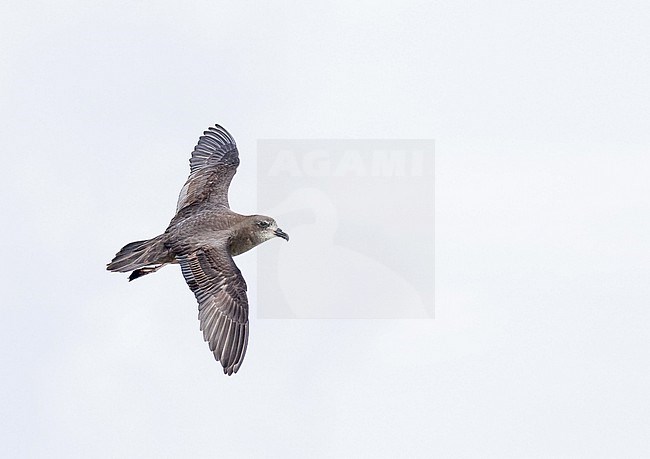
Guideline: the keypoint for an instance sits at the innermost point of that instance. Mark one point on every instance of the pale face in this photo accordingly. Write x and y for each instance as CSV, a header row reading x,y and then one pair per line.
x,y
267,228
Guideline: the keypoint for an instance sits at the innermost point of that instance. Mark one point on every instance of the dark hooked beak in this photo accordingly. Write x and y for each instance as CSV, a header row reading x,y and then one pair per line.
x,y
279,233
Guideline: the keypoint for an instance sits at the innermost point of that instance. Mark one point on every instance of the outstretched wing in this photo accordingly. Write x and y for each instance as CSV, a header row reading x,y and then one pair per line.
x,y
220,290
213,164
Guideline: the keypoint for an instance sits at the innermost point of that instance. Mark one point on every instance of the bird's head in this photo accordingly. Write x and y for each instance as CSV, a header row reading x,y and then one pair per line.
x,y
266,228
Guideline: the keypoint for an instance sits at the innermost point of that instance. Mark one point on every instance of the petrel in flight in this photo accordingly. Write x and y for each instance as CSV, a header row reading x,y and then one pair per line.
x,y
203,237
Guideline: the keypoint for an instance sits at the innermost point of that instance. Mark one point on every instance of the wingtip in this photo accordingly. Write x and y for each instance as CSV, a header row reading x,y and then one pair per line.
x,y
228,371
219,129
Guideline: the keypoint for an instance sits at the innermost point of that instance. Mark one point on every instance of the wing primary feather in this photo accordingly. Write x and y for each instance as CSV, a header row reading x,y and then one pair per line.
x,y
223,334
239,345
209,324
233,344
212,342
244,347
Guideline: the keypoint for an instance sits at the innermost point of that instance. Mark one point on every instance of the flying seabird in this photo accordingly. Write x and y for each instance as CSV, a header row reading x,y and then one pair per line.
x,y
203,237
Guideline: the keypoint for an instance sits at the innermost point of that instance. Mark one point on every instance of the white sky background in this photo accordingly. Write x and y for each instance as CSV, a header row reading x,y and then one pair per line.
x,y
540,111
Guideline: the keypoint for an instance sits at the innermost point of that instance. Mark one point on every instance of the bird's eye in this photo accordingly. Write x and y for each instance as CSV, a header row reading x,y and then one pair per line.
x,y
263,224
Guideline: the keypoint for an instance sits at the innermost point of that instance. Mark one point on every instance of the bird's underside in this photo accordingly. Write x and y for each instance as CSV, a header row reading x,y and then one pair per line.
x,y
203,237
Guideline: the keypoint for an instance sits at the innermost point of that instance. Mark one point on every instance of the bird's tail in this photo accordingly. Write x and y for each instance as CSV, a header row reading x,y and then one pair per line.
x,y
139,254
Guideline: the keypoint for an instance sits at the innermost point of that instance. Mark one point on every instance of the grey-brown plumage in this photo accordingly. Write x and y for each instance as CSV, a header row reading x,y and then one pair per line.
x,y
203,237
